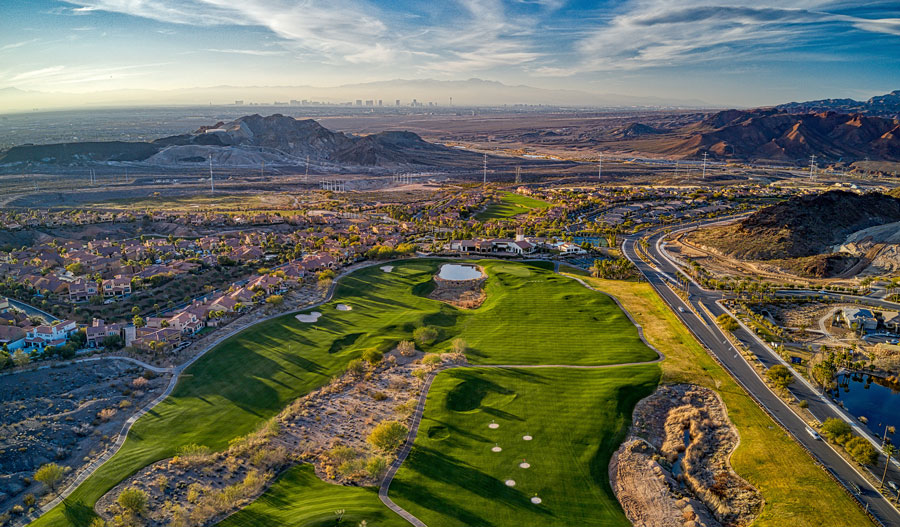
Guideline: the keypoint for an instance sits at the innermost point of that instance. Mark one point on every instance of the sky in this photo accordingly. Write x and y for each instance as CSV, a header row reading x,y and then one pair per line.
x,y
721,52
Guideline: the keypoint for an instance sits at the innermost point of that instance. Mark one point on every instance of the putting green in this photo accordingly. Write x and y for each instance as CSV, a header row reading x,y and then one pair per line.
x,y
510,205
577,419
531,316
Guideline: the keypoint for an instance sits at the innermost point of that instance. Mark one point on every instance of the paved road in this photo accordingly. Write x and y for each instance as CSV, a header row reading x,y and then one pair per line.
x,y
660,274
420,406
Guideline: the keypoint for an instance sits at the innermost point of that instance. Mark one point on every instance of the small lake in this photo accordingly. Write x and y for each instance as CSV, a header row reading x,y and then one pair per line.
x,y
871,397
459,272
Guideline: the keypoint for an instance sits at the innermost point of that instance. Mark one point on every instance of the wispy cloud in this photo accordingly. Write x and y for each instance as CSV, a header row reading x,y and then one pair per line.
x,y
257,52
654,33
61,74
19,44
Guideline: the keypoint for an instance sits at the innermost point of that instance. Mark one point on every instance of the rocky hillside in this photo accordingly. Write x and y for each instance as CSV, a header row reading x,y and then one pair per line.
x,y
803,226
775,135
887,105
249,141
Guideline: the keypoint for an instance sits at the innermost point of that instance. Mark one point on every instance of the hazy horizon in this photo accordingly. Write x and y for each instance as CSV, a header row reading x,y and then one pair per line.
x,y
722,54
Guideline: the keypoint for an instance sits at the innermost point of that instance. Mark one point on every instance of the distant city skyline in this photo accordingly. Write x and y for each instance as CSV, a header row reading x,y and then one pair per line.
x,y
720,53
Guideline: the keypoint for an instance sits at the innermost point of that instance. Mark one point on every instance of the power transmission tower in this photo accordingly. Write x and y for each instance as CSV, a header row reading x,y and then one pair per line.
x,y
600,168
306,178
212,185
484,182
518,174
812,166
704,165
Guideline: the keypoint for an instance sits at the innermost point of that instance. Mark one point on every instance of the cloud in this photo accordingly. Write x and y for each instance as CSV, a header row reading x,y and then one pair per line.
x,y
257,52
15,45
60,74
659,33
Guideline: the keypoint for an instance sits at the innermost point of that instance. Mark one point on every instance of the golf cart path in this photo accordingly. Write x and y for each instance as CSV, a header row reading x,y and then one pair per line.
x,y
89,470
420,405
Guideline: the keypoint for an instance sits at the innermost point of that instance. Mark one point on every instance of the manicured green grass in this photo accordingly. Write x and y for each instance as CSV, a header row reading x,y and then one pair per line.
x,y
577,419
298,498
795,490
532,316
510,204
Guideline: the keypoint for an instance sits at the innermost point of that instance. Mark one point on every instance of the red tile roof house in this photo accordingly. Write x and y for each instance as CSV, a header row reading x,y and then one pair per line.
x,y
13,337
118,286
99,330
187,323
42,336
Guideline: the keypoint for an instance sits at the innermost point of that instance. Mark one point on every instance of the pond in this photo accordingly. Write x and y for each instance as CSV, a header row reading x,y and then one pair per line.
x,y
871,397
459,272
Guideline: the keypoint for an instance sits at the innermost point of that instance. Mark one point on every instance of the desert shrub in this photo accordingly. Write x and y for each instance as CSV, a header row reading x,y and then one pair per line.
x,y
161,482
780,376
727,322
431,359
420,373
124,403
372,356
379,396
376,466
388,436
50,475
341,454
140,383
425,335
458,345
407,348
28,500
406,408
106,414
193,450
133,500
862,451
193,493
836,430
356,367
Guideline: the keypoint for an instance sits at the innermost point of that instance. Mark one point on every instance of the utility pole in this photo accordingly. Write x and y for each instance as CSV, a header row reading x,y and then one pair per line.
x,y
518,174
812,166
484,182
212,185
306,178
704,166
600,168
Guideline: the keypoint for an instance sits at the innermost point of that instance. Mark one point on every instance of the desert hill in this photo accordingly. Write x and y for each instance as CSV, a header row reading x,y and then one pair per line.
x,y
803,226
249,141
769,134
887,105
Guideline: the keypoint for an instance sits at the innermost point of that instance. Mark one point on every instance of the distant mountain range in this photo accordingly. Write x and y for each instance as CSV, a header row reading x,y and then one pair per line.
x,y
887,105
770,134
471,92
250,141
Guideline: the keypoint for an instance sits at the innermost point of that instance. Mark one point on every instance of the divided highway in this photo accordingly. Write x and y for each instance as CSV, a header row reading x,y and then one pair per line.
x,y
660,274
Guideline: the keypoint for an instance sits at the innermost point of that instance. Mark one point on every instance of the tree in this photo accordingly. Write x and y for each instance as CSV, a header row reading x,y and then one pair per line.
x,y
138,321
862,451
388,435
727,322
133,500
372,356
458,345
50,475
20,358
780,376
836,430
275,300
425,335
407,348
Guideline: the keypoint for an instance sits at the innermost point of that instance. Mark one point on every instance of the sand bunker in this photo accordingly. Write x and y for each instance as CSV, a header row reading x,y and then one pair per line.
x,y
510,483
496,449
309,317
535,500
343,307
526,438
387,268
524,465
493,425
